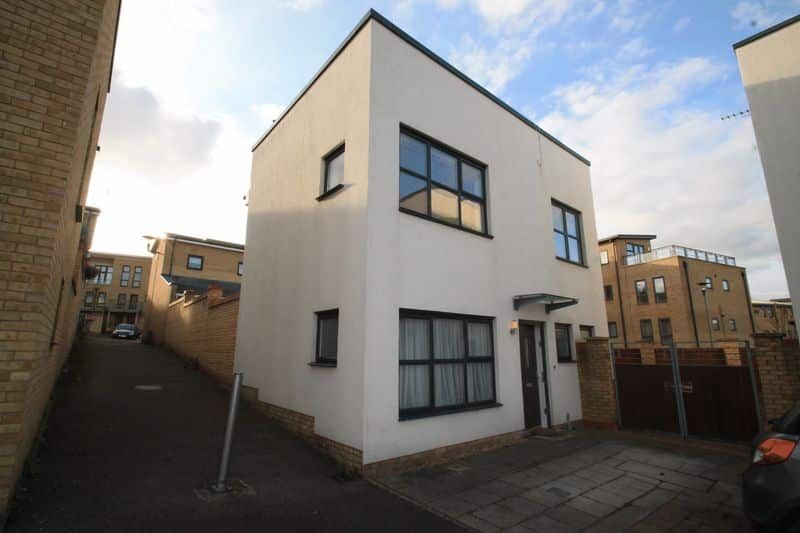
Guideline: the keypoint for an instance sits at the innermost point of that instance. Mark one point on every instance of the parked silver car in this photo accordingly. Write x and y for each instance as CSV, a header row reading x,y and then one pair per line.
x,y
125,331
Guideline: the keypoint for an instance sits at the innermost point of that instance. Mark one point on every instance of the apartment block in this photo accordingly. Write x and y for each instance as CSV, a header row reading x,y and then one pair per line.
x,y
116,293
672,293
775,316
180,263
422,261
55,69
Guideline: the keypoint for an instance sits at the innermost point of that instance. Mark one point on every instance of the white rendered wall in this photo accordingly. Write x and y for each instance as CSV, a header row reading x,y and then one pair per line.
x,y
304,256
770,68
415,263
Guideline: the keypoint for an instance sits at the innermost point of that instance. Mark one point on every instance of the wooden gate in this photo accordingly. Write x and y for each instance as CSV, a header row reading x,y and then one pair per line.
x,y
718,397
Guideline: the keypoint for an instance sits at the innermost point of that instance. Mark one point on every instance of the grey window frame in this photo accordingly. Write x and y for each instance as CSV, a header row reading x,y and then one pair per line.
x,y
726,286
631,249
660,298
189,261
122,299
570,358
732,324
603,257
240,268
319,359
715,326
105,275
329,157
566,236
709,282
661,322
608,291
125,276
649,323
615,334
642,298
133,302
136,282
432,361
459,191
99,300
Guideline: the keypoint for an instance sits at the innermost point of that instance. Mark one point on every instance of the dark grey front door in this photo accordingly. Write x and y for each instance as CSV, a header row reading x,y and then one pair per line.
x,y
530,374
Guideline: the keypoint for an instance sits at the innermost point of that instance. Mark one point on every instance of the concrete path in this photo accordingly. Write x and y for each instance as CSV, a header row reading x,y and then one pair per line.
x,y
121,459
589,482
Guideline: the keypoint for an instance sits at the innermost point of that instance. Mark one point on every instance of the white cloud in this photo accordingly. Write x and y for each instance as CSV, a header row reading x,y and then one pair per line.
x,y
754,14
493,66
519,15
624,16
681,24
634,49
304,5
662,165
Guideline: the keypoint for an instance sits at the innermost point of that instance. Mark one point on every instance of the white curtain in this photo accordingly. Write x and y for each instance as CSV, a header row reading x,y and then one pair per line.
x,y
479,381
480,340
414,339
448,339
449,384
414,345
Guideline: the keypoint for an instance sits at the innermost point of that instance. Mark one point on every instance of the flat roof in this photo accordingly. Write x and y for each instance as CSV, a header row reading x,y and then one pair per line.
x,y
198,240
764,33
377,17
95,253
626,236
772,302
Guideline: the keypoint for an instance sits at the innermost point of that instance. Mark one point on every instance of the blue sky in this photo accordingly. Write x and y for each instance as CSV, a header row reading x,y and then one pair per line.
x,y
638,87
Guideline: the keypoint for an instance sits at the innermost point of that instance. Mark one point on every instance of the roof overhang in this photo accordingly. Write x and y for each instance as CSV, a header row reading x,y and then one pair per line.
x,y
551,301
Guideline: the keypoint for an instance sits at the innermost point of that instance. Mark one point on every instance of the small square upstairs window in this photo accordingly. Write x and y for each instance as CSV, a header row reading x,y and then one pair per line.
x,y
327,337
334,170
195,262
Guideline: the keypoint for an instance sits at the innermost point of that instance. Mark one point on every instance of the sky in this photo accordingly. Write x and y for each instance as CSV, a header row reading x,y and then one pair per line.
x,y
637,87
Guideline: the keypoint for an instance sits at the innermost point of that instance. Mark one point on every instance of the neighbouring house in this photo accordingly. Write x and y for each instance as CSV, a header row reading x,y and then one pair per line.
x,y
117,291
56,73
672,293
421,260
770,67
181,263
775,316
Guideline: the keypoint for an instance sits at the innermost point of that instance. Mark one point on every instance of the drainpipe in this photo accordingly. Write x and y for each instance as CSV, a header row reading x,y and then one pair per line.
x,y
691,303
750,303
619,298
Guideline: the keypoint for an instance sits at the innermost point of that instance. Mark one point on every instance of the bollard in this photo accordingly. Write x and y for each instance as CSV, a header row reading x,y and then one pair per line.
x,y
221,484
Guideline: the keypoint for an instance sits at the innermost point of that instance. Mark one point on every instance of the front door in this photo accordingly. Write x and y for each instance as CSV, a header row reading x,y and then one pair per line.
x,y
534,393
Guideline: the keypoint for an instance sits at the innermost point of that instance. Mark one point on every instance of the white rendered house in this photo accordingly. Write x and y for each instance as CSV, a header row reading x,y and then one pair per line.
x,y
421,258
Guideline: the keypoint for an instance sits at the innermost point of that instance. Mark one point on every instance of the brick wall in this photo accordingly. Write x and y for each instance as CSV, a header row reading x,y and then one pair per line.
x,y
55,62
203,328
598,393
777,363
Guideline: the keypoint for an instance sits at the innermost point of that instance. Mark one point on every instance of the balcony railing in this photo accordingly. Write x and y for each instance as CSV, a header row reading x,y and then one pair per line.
x,y
114,308
679,251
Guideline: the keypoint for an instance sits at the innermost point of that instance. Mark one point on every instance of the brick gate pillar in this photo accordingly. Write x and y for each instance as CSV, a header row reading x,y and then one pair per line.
x,y
777,363
598,392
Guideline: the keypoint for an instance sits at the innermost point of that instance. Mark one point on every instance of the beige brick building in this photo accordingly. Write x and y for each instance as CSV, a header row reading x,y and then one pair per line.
x,y
657,294
775,316
55,68
181,263
116,293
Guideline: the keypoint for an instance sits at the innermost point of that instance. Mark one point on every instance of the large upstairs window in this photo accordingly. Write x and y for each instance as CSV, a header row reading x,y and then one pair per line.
x,y
567,233
441,184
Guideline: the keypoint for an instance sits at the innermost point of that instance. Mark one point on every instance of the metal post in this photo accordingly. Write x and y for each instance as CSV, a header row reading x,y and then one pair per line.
x,y
676,380
754,385
221,485
708,317
616,383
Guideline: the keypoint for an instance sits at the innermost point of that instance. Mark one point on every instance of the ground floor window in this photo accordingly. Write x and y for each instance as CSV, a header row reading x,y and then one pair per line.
x,y
446,363
564,343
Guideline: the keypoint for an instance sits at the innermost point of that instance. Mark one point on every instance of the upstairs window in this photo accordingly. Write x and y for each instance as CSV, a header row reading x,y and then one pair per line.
x,y
564,343
125,276
137,277
633,249
646,327
641,292
567,233
665,330
709,283
609,291
88,299
194,262
715,324
732,324
612,330
121,299
725,285
441,184
101,298
133,302
104,275
334,170
240,268
604,257
327,337
660,290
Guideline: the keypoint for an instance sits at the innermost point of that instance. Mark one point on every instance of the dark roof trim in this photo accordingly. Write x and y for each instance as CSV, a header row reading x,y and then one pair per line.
x,y
764,33
626,236
374,15
212,242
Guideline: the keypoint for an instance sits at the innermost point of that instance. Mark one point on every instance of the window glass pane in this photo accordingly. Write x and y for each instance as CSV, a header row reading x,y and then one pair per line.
x,y
414,339
658,285
472,179
603,258
472,215
413,193
574,249
328,333
444,205
563,343
480,339
448,339
561,247
572,224
414,386
479,382
335,171
558,218
444,168
195,262
413,155
448,384
612,329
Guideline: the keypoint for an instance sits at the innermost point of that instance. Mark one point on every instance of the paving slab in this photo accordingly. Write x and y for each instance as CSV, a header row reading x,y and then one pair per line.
x,y
502,517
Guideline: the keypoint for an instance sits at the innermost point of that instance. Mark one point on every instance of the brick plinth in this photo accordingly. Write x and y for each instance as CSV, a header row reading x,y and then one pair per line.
x,y
778,370
598,392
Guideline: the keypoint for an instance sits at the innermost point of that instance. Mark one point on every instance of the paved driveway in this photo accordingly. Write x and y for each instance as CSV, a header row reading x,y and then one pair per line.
x,y
589,482
121,459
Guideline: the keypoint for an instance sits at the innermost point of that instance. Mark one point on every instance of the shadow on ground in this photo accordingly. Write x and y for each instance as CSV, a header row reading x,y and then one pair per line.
x,y
117,459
